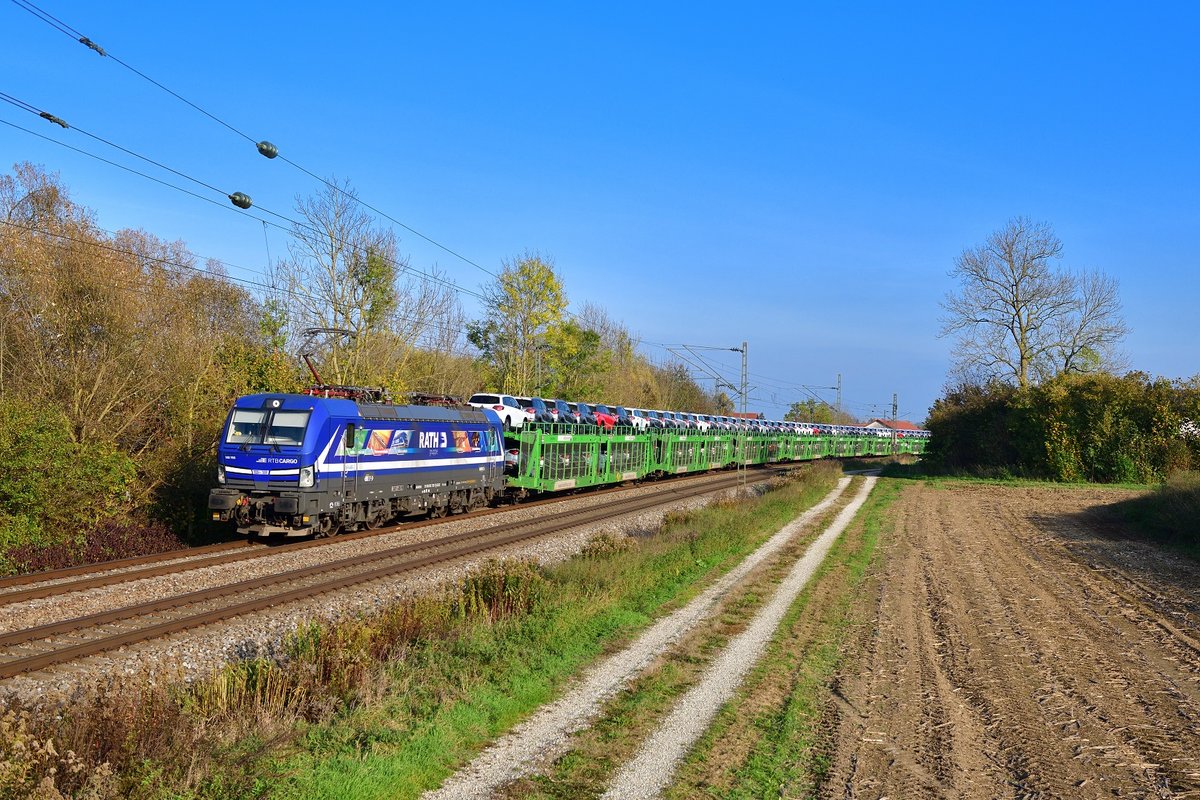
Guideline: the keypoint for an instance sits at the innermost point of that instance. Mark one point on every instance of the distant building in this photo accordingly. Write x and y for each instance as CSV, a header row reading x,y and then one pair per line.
x,y
747,415
893,425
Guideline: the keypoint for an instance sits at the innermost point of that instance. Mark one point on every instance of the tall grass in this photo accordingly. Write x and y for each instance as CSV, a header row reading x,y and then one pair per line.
x,y
1170,514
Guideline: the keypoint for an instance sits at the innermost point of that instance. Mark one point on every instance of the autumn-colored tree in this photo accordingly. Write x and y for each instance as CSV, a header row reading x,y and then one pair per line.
x,y
85,314
127,343
622,375
811,410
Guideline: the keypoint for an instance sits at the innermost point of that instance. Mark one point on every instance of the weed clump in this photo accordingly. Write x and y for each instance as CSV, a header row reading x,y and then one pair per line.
x,y
605,546
217,728
497,591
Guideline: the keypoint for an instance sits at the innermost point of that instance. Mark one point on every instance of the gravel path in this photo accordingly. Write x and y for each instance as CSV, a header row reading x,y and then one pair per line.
x,y
649,772
547,732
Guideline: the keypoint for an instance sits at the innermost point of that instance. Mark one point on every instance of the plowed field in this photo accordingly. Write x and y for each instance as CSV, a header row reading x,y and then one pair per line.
x,y
1022,647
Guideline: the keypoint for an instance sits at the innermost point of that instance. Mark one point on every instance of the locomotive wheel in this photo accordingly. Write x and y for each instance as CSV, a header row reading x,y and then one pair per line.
x,y
325,527
378,517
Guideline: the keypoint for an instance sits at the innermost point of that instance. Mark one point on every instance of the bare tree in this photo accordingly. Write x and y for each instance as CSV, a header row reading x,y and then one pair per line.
x,y
344,272
1017,318
1086,341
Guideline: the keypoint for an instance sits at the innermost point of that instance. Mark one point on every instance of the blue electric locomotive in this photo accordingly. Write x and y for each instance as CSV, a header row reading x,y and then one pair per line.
x,y
298,465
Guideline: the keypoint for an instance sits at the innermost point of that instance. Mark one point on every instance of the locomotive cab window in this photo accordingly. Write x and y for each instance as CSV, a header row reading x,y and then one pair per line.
x,y
287,427
252,426
246,427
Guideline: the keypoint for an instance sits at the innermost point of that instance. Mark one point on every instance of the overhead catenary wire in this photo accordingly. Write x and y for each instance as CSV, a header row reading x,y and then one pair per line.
x,y
710,369
114,164
711,365
264,147
425,337
63,124
268,150
260,285
78,36
294,222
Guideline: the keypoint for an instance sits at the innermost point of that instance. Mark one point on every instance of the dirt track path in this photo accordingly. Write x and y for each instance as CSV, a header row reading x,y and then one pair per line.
x,y
1017,652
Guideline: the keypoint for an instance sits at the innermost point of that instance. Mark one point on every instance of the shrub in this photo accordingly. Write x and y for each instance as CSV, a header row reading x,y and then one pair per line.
x,y
106,540
1095,427
52,489
970,429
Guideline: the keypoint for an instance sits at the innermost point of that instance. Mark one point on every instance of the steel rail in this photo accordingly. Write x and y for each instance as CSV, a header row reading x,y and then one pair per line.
x,y
211,593
118,563
241,552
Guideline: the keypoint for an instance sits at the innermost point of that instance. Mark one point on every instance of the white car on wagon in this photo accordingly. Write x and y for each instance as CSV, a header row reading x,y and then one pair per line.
x,y
506,407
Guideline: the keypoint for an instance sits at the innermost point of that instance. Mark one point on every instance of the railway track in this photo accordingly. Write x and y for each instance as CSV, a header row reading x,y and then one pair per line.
x,y
107,573
54,643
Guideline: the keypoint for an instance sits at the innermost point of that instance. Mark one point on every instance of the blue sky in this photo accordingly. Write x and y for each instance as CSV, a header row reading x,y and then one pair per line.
x,y
797,176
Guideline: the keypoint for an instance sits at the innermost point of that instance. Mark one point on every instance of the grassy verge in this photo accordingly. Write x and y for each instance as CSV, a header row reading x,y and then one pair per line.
x,y
615,736
387,706
1170,514
769,741
992,477
451,701
878,462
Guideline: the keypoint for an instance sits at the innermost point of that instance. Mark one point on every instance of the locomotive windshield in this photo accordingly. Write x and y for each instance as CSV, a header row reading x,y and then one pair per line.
x,y
252,426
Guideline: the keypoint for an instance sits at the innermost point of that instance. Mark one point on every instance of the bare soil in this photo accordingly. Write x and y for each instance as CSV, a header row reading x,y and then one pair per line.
x,y
1023,646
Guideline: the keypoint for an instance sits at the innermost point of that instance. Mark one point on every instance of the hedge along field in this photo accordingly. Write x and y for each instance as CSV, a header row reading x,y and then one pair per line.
x,y
1099,428
1083,428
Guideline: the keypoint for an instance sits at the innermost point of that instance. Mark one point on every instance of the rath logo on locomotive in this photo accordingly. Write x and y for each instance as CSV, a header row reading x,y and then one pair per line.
x,y
432,439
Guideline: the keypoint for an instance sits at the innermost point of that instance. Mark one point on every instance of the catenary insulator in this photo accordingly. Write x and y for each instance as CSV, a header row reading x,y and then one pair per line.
x,y
267,149
240,199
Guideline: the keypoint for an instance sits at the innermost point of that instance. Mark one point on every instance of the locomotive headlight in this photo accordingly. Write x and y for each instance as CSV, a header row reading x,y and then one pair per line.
x,y
221,473
306,477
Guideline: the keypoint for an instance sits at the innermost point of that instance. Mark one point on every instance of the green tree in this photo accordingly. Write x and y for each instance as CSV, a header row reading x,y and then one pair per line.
x,y
810,410
524,309
575,362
